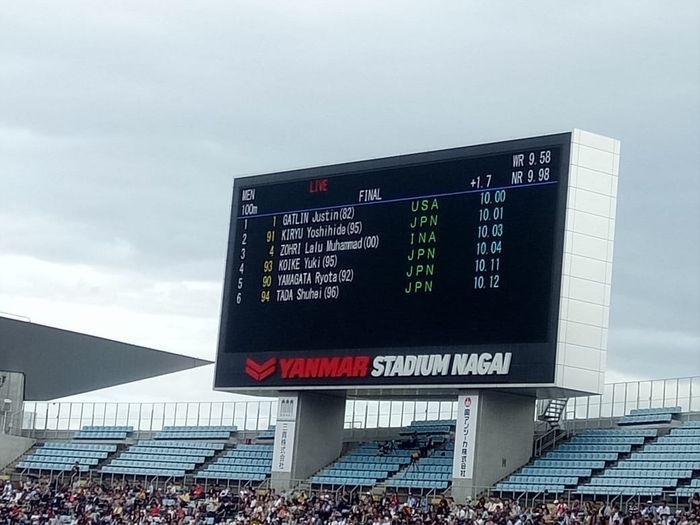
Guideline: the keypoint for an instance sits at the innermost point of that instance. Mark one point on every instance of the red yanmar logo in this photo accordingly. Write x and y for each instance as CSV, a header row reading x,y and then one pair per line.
x,y
312,367
260,371
309,367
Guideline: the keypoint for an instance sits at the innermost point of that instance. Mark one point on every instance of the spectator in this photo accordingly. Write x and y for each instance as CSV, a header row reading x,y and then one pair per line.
x,y
75,472
695,504
415,456
127,503
663,511
648,510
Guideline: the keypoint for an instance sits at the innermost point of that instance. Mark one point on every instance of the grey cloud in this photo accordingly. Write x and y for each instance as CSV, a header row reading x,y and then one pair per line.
x,y
653,353
122,128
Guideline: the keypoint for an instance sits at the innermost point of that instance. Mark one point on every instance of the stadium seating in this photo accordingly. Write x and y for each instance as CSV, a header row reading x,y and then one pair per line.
x,y
59,456
267,434
431,472
690,489
196,432
249,463
659,466
363,466
646,416
575,460
103,432
653,411
162,458
596,462
431,426
605,432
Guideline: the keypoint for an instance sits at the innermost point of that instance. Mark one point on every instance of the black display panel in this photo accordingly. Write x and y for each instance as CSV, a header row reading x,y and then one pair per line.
x,y
439,268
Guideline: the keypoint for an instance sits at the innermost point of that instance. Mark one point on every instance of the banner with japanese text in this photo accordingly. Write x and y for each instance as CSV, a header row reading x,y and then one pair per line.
x,y
465,436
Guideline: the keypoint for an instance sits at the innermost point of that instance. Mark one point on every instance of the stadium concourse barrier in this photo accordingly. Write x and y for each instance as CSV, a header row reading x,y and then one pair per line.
x,y
45,420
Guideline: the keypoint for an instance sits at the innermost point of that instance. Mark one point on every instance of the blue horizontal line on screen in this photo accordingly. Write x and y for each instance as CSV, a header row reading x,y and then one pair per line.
x,y
399,199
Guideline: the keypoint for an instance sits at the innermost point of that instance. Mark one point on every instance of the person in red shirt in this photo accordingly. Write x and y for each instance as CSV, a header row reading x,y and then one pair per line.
x,y
197,492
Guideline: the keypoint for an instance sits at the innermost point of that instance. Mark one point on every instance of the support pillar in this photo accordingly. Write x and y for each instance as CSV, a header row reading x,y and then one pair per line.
x,y
11,402
493,439
308,435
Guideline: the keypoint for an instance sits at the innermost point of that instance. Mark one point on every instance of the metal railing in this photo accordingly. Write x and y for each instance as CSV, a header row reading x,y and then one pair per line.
x,y
617,400
549,440
256,415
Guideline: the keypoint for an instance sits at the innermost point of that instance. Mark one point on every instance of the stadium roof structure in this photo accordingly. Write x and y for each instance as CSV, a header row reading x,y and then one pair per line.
x,y
58,363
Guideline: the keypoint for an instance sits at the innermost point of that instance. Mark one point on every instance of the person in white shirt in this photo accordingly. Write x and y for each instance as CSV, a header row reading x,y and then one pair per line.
x,y
461,514
617,515
663,510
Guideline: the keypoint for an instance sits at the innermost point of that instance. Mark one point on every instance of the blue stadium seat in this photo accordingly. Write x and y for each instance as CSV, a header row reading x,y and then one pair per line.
x,y
104,432
222,432
162,458
363,466
61,456
655,411
431,472
645,419
250,462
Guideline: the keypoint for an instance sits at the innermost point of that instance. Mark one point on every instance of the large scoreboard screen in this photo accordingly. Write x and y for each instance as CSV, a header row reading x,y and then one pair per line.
x,y
439,268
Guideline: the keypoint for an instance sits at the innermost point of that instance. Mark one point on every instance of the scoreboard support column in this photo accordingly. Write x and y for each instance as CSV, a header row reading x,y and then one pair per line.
x,y
493,438
308,435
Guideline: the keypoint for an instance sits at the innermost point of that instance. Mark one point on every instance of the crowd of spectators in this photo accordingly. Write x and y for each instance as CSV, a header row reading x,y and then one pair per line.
x,y
45,502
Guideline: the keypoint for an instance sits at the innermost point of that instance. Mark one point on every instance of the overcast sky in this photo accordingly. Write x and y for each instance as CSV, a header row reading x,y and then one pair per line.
x,y
123,124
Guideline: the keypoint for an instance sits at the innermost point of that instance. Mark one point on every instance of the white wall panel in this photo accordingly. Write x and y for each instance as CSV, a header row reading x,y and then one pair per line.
x,y
583,335
588,313
582,357
593,140
581,379
593,224
595,159
588,268
585,290
587,265
592,180
592,202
